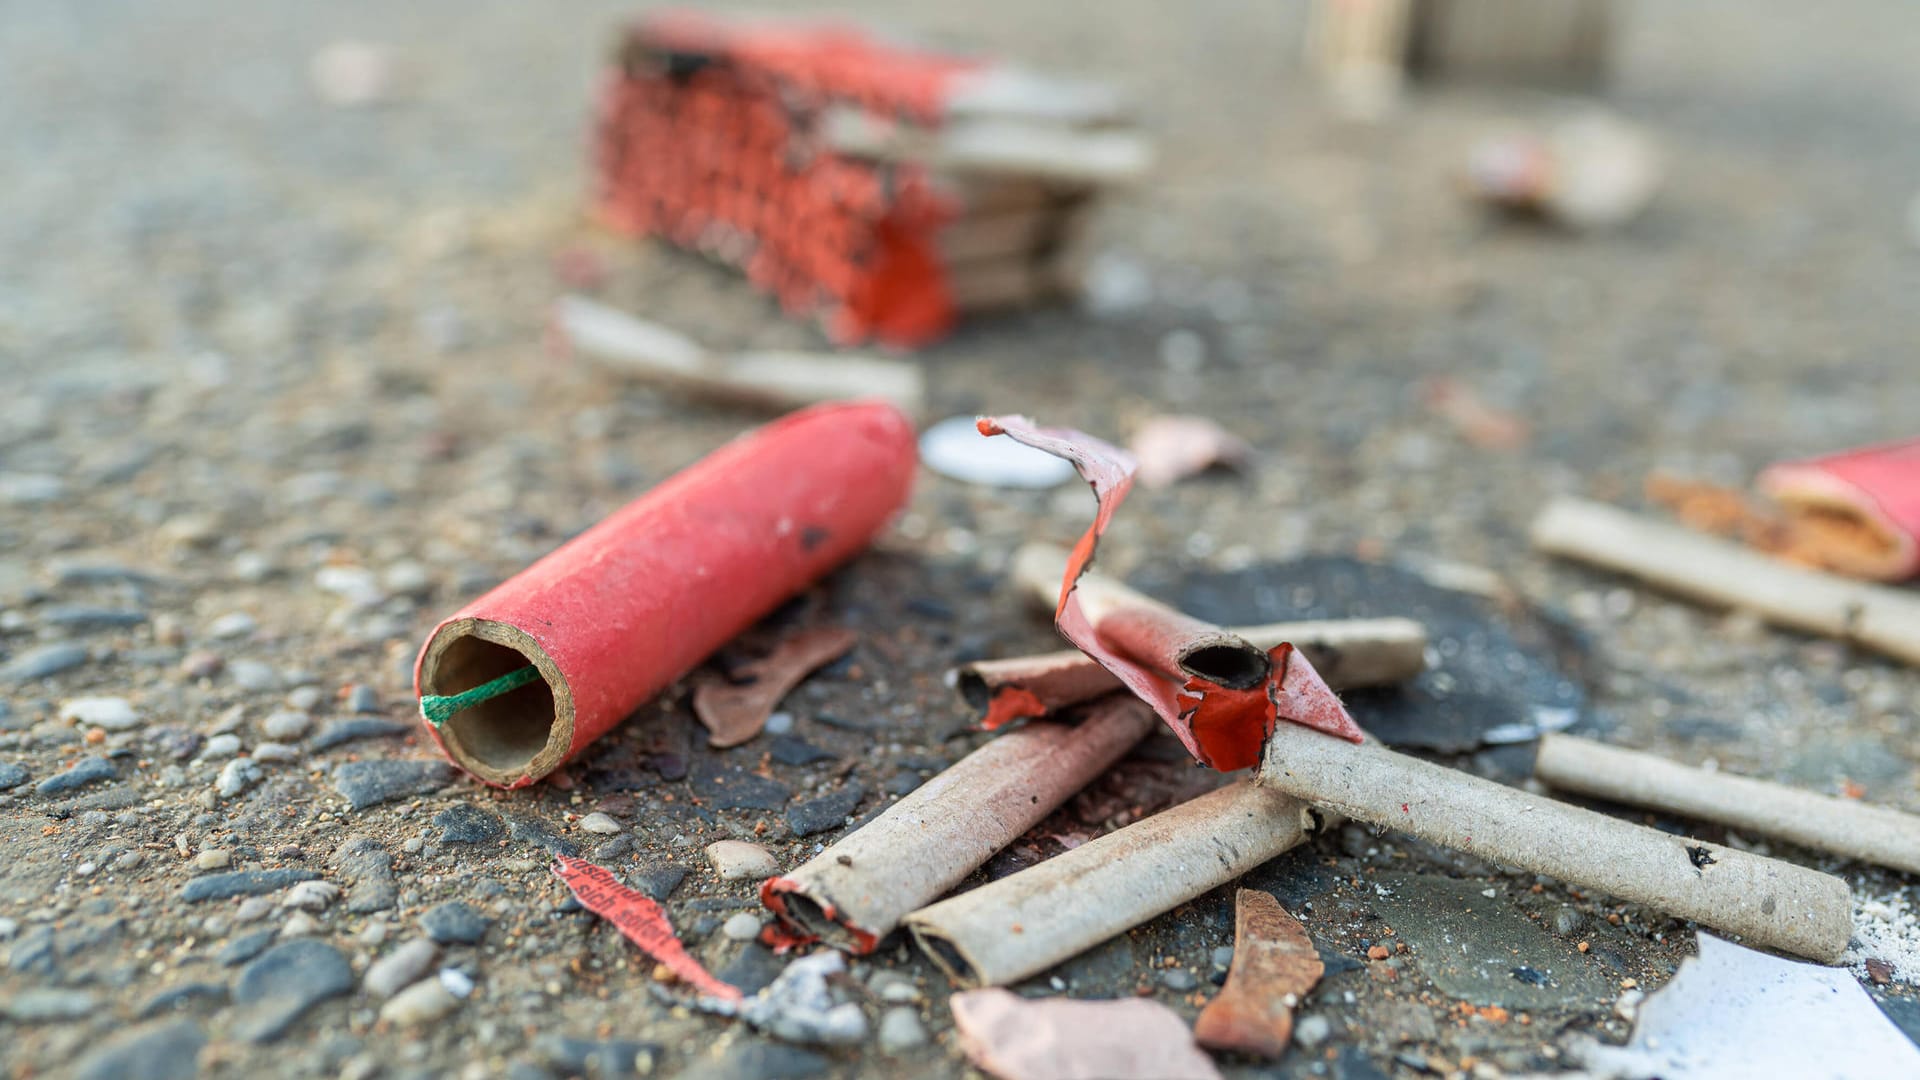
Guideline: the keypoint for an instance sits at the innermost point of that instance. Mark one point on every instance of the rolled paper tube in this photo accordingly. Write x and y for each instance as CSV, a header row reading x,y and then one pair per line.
x,y
1724,573
1771,903
1027,922
853,894
1875,834
619,612
1348,653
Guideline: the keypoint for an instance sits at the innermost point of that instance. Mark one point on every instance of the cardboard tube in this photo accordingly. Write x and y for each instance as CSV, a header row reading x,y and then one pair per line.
x,y
1771,903
1348,653
1875,834
854,893
1027,922
622,610
1723,573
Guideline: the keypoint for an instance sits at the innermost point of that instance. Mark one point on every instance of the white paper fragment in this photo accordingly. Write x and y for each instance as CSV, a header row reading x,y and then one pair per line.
x,y
1733,1013
955,448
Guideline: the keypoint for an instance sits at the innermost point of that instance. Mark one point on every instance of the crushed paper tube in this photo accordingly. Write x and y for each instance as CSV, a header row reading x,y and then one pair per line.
x,y
854,893
641,920
1014,1038
1875,834
734,709
616,614
1771,903
1726,574
1029,921
1348,653
1275,963
1219,693
1873,492
770,381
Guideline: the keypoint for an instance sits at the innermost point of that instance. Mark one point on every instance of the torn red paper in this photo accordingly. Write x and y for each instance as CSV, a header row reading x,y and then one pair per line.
x,y
735,711
1014,1038
1864,503
1274,965
1218,693
642,921
1172,448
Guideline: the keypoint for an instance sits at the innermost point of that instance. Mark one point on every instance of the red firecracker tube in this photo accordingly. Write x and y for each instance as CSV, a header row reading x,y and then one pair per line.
x,y
621,611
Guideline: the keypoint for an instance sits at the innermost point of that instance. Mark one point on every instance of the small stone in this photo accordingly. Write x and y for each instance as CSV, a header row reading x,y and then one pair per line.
x,y
738,860
213,859
368,869
283,983
166,1050
421,1003
400,968
111,713
276,753
128,860
1627,1005
374,934
299,925
43,662
252,909
597,822
780,723
85,771
1178,980
201,664
465,823
456,982
901,1031
407,578
825,812
12,775
252,675
311,895
243,883
220,746
454,923
48,1006
741,927
610,1059
234,624
1378,952
368,783
895,989
363,699
1223,957
792,750
528,829
1879,971
354,584
180,994
244,948
1567,920
1311,1031
238,775
85,617
286,725
358,727
658,883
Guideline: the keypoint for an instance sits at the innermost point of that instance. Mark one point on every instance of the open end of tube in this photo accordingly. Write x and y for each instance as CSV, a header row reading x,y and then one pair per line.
x,y
520,734
807,914
946,955
1236,666
973,689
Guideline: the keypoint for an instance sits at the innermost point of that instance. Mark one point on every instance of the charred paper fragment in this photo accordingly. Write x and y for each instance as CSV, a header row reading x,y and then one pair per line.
x,y
735,708
1218,692
1875,834
1721,573
767,381
641,921
1274,965
855,892
1012,1038
1771,903
1027,922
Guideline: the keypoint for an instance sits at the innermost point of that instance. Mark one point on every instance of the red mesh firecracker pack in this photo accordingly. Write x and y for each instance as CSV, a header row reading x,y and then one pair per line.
x,y
877,188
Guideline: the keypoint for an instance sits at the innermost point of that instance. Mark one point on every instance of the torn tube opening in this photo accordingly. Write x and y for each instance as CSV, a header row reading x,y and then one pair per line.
x,y
512,738
946,955
1234,665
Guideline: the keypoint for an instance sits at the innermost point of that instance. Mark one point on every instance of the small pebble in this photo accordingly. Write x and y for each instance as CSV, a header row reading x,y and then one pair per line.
x,y
738,860
276,753
423,1002
363,699
311,895
597,822
221,746
1223,957
401,968
252,675
234,624
741,927
1567,920
85,771
201,664
238,775
901,1031
213,859
1178,980
305,698
286,725
456,982
252,909
111,713
300,925
780,723
1311,1031
454,923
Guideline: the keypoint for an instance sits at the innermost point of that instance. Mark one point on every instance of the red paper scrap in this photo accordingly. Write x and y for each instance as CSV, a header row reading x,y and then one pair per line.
x,y
642,921
1221,726
1875,490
